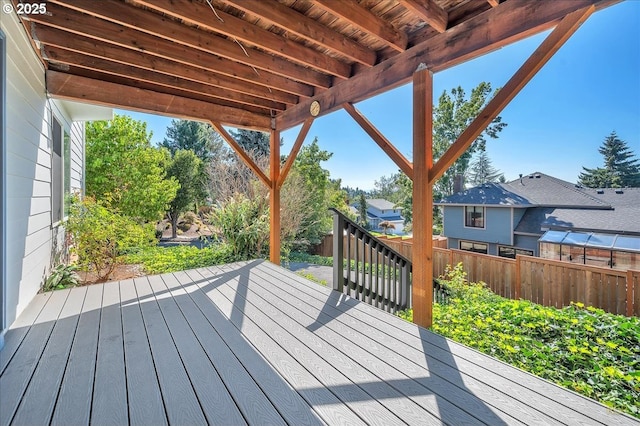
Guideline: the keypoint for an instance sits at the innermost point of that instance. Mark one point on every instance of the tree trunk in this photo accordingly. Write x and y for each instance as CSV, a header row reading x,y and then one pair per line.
x,y
174,225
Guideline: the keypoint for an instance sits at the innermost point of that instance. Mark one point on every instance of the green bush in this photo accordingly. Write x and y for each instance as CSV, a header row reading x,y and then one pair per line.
x,y
296,256
584,349
101,236
157,260
244,225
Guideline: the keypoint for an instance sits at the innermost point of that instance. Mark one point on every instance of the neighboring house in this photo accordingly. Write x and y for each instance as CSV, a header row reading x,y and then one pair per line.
x,y
42,156
380,210
543,216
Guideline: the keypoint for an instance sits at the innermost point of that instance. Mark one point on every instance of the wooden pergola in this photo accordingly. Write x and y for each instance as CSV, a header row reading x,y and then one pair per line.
x,y
271,65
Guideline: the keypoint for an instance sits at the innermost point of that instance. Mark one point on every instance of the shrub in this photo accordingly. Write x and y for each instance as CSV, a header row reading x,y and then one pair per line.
x,y
100,236
244,225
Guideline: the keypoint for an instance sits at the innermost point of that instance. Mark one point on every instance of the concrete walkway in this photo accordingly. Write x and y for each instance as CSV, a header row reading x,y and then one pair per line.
x,y
322,273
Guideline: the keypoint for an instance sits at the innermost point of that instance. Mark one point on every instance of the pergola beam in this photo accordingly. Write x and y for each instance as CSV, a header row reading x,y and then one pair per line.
x,y
241,153
294,150
567,27
82,89
366,21
391,151
149,32
470,39
223,23
430,12
305,27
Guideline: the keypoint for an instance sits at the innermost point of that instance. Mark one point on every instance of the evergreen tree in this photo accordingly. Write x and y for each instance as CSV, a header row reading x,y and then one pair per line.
x,y
620,169
253,142
362,211
198,137
451,117
482,171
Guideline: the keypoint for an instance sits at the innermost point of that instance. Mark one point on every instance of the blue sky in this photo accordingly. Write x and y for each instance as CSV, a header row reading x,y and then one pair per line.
x,y
555,125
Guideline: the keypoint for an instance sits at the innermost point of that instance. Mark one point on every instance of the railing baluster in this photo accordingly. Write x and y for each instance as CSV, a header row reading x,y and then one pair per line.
x,y
372,271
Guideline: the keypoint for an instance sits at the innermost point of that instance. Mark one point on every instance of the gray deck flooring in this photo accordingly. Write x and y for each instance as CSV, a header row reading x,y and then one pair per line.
x,y
253,343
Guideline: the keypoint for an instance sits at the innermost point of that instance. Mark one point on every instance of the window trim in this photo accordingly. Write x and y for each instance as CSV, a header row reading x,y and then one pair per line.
x,y
57,218
484,217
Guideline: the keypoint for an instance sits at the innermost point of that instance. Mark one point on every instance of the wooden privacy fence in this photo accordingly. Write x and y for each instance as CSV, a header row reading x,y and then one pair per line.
x,y
548,282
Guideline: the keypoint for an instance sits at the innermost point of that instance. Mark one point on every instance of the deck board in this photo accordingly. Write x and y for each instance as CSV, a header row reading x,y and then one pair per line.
x,y
253,343
73,407
143,390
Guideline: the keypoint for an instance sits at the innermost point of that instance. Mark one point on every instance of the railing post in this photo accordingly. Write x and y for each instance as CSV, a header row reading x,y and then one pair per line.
x,y
338,252
405,285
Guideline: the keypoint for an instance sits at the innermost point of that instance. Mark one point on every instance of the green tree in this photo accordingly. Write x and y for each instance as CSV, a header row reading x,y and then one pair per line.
x,y
386,187
620,169
187,169
253,142
320,192
124,172
482,171
200,138
362,211
451,117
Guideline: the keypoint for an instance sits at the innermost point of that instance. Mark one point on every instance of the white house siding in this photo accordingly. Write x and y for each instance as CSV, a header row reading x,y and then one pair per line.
x,y
29,116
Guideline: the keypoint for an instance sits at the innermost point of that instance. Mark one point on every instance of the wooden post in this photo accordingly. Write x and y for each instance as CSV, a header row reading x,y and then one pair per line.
x,y
274,198
422,294
338,252
630,285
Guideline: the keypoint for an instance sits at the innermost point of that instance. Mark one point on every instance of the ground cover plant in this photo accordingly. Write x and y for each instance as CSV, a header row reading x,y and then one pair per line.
x,y
158,260
582,348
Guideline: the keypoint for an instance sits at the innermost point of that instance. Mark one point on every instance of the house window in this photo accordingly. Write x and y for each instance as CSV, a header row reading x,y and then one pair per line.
x,y
474,217
511,252
60,173
474,247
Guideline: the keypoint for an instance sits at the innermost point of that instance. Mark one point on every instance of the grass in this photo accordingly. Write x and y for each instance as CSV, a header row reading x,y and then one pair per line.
x,y
158,260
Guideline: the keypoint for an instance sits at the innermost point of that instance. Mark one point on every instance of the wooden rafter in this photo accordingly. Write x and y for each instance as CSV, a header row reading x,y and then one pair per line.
x,y
307,28
50,36
294,150
430,12
395,155
174,41
525,73
82,89
229,25
460,43
241,152
56,55
494,3
366,21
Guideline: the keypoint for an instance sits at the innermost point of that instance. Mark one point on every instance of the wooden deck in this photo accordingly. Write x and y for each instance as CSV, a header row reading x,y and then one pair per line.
x,y
254,343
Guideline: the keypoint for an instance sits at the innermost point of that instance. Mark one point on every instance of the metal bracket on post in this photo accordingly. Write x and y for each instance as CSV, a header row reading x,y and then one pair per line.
x,y
338,252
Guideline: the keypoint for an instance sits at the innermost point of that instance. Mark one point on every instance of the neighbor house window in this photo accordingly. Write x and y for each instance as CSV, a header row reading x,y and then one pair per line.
x,y
474,217
474,247
511,252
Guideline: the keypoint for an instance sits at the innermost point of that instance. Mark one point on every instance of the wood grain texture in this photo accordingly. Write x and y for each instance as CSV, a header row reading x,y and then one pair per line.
x,y
181,404
74,400
109,404
37,405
